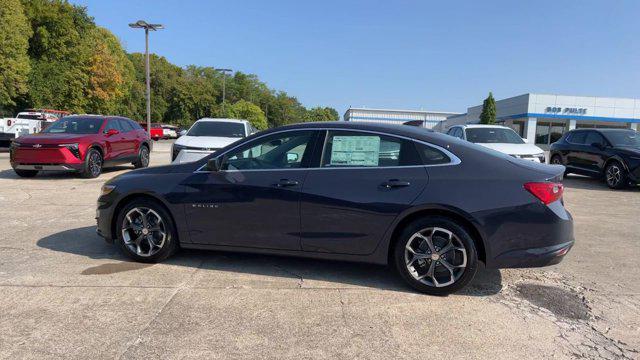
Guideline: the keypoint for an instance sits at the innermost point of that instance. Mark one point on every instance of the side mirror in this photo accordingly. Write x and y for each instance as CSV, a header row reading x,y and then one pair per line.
x,y
214,164
182,133
292,157
112,132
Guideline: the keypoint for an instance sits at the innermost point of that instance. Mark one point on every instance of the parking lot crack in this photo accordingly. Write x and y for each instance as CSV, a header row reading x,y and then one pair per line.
x,y
184,285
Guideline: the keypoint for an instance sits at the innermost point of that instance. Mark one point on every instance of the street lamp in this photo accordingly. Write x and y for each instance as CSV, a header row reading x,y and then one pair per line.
x,y
224,77
141,24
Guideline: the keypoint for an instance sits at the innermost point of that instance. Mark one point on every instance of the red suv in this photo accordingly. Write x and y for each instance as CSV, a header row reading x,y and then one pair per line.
x,y
82,143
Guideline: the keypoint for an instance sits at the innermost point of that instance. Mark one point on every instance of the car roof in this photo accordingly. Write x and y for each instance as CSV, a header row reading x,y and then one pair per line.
x,y
472,126
223,120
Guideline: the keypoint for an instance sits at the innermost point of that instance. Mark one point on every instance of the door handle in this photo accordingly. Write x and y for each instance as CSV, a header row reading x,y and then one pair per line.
x,y
394,183
286,183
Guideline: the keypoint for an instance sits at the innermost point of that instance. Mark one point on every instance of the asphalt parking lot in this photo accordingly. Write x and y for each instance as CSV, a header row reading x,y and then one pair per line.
x,y
66,293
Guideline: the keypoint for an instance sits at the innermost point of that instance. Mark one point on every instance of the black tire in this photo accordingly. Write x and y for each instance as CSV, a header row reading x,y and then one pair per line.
x,y
615,175
156,254
92,167
460,238
26,173
557,160
143,157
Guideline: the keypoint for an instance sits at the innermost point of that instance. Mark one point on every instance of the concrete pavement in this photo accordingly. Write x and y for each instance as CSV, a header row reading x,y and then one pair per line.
x,y
65,293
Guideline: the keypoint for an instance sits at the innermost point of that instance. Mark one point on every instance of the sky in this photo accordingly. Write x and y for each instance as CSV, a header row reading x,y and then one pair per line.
x,y
431,55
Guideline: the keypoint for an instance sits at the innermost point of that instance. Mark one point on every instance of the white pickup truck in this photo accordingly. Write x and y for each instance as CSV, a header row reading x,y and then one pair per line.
x,y
27,122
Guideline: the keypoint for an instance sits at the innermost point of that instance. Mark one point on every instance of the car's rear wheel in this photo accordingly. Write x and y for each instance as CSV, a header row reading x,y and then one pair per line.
x,y
26,173
145,231
615,175
436,256
143,158
92,167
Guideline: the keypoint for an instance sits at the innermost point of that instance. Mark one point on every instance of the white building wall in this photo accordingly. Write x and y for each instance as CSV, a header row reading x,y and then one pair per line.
x,y
389,116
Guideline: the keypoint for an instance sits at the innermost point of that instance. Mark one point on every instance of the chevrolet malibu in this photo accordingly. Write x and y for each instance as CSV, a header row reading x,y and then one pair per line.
x,y
430,205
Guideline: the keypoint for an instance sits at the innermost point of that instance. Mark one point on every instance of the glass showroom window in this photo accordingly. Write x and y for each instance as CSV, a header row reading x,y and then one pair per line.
x,y
547,133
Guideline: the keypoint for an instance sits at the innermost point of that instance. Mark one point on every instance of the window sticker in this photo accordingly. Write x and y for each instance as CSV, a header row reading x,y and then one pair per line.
x,y
355,151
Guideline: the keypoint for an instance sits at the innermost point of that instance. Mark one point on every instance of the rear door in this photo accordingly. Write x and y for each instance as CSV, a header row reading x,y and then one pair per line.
x,y
115,144
364,181
129,135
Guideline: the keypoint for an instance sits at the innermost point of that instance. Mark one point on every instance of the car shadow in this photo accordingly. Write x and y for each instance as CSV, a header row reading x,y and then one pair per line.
x,y
10,174
85,242
587,183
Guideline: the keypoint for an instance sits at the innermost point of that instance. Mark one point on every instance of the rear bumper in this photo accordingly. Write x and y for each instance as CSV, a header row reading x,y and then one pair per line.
x,y
534,257
531,235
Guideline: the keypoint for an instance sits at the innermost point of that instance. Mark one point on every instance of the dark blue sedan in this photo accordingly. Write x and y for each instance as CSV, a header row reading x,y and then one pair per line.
x,y
428,204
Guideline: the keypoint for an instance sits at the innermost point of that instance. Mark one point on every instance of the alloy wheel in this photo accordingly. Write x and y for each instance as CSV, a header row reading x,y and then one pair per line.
x,y
144,232
556,161
144,156
614,175
435,256
95,164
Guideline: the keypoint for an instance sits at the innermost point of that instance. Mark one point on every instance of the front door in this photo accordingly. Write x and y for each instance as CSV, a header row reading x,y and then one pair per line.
x,y
254,200
364,182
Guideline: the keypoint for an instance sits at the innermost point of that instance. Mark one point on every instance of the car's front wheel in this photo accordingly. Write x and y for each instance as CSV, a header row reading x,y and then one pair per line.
x,y
92,167
436,256
145,231
615,175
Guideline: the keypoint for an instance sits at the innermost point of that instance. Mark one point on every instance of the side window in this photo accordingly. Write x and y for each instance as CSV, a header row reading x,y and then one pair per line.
x,y
124,125
112,124
451,132
460,133
135,125
354,149
279,151
578,137
594,137
432,156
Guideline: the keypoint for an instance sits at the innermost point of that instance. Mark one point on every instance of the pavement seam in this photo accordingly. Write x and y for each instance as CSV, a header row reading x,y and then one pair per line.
x,y
176,290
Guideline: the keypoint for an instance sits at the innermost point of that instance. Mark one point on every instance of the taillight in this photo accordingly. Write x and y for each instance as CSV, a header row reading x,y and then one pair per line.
x,y
547,192
8,122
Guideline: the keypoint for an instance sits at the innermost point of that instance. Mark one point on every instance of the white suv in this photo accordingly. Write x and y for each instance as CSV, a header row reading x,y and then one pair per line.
x,y
208,135
499,138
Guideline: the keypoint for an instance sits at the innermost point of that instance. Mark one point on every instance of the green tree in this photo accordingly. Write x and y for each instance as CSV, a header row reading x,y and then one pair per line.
x,y
246,110
15,32
111,75
322,114
488,114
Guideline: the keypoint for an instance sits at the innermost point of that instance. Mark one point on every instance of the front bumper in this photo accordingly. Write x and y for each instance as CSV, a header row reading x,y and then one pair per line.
x,y
104,218
52,158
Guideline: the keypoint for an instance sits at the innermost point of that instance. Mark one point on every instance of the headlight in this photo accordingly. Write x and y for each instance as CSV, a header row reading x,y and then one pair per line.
x,y
73,147
175,150
106,189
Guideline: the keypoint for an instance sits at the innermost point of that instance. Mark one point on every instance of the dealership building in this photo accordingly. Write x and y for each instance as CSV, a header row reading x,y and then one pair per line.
x,y
429,119
538,118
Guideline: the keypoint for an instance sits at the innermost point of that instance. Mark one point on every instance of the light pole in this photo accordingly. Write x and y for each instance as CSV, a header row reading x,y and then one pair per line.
x,y
224,77
141,24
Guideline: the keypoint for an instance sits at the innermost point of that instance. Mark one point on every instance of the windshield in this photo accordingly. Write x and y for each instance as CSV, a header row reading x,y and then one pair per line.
x,y
217,128
493,136
74,125
623,138
30,116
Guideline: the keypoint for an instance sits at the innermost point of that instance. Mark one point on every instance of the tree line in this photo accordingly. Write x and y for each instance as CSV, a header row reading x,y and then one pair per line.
x,y
53,55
